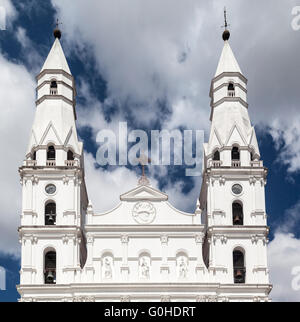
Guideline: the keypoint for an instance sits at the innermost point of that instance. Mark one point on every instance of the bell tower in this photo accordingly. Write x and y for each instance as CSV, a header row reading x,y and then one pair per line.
x,y
54,196
232,196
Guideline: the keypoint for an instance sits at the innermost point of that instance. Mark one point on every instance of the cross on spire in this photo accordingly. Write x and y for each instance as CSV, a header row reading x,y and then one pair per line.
x,y
226,33
57,32
143,161
57,23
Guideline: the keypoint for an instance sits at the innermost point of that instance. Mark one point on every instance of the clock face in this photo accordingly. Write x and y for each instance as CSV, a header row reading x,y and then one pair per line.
x,y
50,189
237,189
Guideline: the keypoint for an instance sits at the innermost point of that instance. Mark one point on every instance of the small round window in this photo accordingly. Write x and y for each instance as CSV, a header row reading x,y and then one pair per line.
x,y
237,189
50,189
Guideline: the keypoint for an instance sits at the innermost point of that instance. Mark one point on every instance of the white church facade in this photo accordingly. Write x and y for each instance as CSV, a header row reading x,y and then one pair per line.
x,y
144,249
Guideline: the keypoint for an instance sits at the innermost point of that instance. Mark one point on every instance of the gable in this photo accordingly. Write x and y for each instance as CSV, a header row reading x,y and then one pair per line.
x,y
50,135
235,136
144,193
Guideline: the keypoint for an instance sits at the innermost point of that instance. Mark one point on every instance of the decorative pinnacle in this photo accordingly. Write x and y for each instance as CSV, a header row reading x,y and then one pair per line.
x,y
57,32
226,33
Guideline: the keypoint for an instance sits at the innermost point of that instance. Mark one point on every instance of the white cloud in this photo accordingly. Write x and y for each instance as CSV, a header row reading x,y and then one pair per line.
x,y
10,12
32,56
286,134
105,187
284,255
17,109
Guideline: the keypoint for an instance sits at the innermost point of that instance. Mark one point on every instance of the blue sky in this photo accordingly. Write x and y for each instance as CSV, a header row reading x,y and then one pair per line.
x,y
143,63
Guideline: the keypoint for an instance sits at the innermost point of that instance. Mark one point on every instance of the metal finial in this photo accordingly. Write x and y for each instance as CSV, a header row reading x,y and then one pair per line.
x,y
57,32
226,33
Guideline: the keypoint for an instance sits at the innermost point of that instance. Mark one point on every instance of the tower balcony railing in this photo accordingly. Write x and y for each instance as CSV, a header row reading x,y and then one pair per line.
x,y
53,91
239,275
215,163
71,163
235,163
31,163
256,164
231,93
50,163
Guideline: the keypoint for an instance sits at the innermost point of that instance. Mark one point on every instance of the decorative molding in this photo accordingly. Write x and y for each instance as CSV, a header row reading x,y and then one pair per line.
x,y
125,298
66,180
90,239
165,268
207,298
164,239
84,299
165,298
199,238
124,239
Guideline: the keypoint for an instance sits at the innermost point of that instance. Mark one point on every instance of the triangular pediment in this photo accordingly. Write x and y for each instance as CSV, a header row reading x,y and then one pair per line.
x,y
253,141
236,137
144,193
50,135
71,141
215,141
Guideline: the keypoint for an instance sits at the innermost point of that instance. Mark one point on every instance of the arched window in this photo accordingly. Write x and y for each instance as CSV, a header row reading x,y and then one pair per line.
x,y
70,155
216,156
251,156
50,213
237,214
231,90
51,153
235,154
239,270
53,88
34,156
50,267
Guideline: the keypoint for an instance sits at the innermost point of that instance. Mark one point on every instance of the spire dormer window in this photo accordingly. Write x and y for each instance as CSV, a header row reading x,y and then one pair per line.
x,y
231,90
235,154
216,156
51,153
235,157
70,155
53,87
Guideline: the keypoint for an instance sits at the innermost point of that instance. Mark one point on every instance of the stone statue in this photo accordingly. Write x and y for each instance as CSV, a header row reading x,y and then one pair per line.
x,y
182,268
144,268
107,268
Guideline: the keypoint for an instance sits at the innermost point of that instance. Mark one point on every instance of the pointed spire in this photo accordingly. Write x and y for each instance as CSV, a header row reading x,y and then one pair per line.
x,y
56,58
227,62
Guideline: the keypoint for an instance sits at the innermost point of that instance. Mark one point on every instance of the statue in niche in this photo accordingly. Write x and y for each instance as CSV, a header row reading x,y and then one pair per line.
x,y
144,267
107,268
183,267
